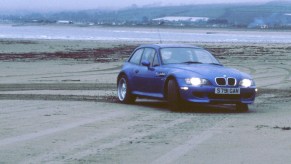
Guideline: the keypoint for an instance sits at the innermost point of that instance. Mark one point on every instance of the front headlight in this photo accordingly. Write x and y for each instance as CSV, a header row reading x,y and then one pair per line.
x,y
196,81
246,83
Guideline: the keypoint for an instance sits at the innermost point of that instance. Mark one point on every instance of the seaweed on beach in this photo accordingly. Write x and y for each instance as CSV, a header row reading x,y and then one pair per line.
x,y
96,55
17,42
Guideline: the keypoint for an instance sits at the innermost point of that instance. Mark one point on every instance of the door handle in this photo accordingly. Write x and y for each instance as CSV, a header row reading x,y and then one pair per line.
x,y
160,74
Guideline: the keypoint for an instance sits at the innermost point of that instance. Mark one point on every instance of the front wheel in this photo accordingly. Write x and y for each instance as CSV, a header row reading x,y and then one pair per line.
x,y
242,107
123,91
174,101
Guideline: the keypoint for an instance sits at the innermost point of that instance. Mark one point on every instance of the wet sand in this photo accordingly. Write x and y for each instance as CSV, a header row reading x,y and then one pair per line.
x,y
58,105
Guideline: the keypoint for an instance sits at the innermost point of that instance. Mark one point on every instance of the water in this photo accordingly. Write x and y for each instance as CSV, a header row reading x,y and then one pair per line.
x,y
141,34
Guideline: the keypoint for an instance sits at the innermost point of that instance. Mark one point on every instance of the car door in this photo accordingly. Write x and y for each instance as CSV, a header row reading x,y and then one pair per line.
x,y
134,68
143,73
150,76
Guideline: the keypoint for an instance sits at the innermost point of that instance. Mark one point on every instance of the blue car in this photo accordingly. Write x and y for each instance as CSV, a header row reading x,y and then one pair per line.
x,y
181,74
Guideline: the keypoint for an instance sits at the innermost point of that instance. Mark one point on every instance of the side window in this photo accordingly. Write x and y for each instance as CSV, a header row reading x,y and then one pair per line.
x,y
136,57
148,55
156,61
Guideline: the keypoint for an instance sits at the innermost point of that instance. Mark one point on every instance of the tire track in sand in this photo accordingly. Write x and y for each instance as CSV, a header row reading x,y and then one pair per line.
x,y
30,136
195,139
82,144
274,79
120,141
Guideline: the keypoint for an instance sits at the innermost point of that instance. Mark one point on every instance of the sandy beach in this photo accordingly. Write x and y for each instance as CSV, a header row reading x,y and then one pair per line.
x,y
58,104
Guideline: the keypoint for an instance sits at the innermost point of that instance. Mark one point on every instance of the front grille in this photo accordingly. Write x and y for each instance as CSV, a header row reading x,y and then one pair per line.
x,y
231,81
221,81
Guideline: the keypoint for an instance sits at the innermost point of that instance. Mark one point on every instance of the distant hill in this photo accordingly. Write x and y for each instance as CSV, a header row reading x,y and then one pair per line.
x,y
244,15
248,14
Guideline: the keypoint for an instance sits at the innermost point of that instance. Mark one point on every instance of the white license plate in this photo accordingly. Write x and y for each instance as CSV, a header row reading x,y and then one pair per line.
x,y
228,91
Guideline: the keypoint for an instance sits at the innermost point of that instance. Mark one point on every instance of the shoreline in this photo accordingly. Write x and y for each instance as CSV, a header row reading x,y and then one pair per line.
x,y
142,34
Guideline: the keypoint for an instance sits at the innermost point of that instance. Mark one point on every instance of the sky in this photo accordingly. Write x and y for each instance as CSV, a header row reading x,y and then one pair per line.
x,y
57,5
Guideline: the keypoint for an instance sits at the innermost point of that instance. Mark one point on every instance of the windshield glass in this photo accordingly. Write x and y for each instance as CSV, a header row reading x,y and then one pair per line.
x,y
186,55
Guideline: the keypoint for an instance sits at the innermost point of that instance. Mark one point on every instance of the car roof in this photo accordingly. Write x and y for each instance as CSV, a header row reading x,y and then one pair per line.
x,y
169,46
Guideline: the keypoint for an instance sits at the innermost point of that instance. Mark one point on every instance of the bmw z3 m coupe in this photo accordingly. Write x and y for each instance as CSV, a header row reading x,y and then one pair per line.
x,y
182,74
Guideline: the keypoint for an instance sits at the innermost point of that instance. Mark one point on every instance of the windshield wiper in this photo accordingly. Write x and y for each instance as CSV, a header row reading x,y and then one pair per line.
x,y
192,62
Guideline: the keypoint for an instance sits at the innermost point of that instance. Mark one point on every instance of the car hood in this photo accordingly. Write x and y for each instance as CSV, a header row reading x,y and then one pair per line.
x,y
206,70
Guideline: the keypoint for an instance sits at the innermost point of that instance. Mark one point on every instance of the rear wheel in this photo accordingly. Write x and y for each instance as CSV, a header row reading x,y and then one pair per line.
x,y
174,100
242,107
123,91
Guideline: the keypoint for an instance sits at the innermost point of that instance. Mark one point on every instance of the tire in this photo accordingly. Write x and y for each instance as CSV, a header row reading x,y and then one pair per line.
x,y
173,95
123,91
242,107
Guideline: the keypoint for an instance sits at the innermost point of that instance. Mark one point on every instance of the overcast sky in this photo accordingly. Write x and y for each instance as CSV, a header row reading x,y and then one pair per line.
x,y
56,5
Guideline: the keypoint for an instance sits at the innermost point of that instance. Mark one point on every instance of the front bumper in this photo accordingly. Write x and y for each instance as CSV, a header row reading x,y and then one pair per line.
x,y
206,94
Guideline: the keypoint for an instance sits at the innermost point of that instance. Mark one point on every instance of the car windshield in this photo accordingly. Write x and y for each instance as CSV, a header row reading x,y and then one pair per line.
x,y
178,55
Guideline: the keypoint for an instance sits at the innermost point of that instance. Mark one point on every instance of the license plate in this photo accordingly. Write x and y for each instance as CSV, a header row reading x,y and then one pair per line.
x,y
227,91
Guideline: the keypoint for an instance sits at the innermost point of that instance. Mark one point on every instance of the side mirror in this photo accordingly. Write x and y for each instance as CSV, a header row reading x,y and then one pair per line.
x,y
146,63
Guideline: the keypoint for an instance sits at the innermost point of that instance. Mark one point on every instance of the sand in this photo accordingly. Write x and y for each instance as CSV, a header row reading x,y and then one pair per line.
x,y
58,105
